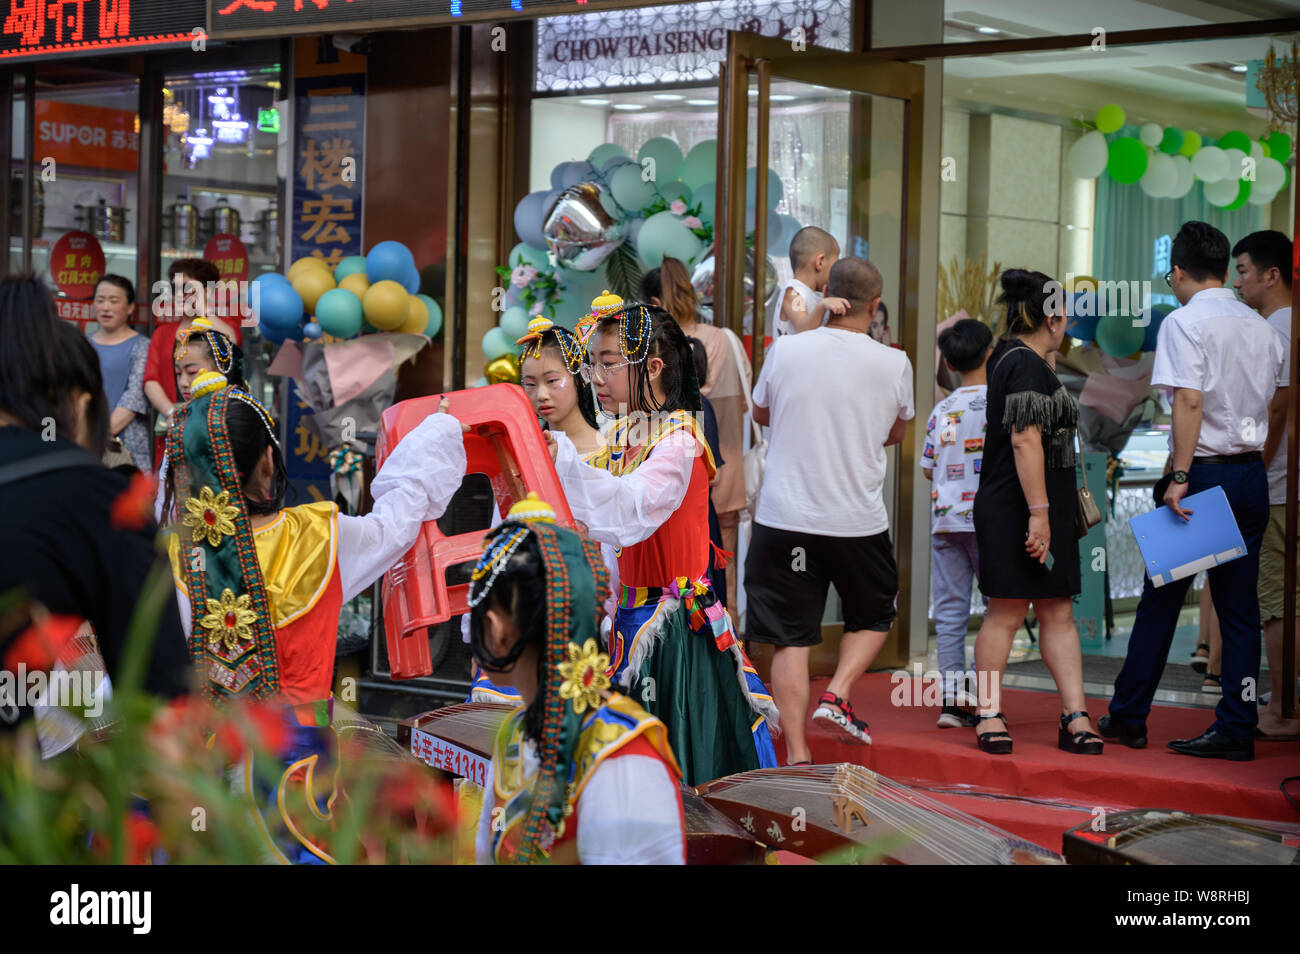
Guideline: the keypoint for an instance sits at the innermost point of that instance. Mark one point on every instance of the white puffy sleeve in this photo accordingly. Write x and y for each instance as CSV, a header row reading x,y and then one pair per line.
x,y
630,813
414,486
625,510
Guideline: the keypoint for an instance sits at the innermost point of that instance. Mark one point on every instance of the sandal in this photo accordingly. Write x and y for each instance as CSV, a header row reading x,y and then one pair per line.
x,y
1080,743
1212,682
1201,661
994,743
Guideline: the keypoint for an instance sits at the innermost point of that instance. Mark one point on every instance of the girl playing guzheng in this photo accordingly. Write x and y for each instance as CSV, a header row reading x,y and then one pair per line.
x,y
647,494
579,773
260,586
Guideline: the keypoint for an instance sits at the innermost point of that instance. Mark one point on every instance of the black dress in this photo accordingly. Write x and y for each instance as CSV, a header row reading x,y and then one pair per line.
x,y
1024,391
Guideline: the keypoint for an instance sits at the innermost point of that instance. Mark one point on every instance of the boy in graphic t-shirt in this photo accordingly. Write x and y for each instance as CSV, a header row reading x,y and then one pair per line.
x,y
954,447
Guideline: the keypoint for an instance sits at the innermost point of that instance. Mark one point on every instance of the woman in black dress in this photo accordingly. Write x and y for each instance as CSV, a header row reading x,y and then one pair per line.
x,y
1025,512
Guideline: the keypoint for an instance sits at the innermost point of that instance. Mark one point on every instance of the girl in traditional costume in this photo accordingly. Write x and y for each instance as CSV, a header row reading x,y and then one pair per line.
x,y
260,586
579,773
647,495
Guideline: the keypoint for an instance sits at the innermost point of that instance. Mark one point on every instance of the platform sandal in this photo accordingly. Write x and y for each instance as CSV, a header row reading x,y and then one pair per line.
x,y
1080,743
1213,682
994,743
1200,663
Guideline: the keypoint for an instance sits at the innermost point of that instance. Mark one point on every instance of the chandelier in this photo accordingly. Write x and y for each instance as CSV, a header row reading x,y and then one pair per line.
x,y
1277,81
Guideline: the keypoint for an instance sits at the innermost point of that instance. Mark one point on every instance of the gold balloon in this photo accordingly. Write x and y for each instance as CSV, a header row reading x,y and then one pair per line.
x,y
357,283
310,284
385,305
502,370
307,263
417,321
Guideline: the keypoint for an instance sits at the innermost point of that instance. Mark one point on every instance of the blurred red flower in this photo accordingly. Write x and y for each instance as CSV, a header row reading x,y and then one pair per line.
x,y
133,507
39,645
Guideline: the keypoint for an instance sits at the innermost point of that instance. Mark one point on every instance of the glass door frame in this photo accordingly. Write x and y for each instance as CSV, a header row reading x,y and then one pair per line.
x,y
749,55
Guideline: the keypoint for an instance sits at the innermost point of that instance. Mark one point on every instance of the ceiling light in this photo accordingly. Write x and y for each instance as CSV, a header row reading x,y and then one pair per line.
x,y
1238,67
781,97
629,106
701,102
594,102
987,31
668,97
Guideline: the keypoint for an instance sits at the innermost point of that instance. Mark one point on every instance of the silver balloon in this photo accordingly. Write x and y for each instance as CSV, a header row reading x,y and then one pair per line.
x,y
703,281
580,229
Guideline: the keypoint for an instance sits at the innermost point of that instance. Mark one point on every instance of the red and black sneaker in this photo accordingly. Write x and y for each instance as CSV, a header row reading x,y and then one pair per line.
x,y
834,710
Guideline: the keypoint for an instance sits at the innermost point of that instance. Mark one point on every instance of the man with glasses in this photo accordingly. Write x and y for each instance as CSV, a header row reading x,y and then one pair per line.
x,y
1221,364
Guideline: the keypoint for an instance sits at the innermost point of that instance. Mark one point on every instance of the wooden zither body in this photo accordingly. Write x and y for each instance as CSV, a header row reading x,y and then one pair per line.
x,y
1154,836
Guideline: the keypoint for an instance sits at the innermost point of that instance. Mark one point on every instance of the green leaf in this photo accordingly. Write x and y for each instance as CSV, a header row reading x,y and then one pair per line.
x,y
623,269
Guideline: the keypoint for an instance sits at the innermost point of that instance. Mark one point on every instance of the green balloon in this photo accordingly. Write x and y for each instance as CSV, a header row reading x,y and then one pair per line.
x,y
339,312
1172,141
677,189
1128,160
496,343
349,266
705,197
523,254
1235,140
435,316
1118,336
514,322
1243,195
701,164
629,189
667,156
1279,146
663,234
1263,144
602,154
1191,143
1110,118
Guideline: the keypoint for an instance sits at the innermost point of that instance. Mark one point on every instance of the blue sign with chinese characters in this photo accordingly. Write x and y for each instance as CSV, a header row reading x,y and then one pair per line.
x,y
329,128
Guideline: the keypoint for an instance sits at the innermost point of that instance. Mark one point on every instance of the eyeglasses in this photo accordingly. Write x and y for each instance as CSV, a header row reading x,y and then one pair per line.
x,y
1168,278
601,370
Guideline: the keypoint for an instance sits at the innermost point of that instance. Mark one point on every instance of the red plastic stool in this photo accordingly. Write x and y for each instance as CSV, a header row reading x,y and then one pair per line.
x,y
506,445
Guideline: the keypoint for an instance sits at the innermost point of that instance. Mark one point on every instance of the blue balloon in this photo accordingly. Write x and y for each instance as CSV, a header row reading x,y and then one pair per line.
x,y
389,261
1158,313
311,330
571,173
530,216
277,308
269,278
411,280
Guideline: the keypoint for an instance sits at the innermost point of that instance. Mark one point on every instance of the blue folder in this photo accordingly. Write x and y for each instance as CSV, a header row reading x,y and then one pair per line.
x,y
1173,549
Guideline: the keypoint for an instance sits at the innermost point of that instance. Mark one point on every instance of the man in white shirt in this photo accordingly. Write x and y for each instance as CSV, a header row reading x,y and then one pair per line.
x,y
1264,283
1222,365
835,399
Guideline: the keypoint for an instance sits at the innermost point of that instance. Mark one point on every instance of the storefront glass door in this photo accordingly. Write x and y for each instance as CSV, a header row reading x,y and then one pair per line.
x,y
847,133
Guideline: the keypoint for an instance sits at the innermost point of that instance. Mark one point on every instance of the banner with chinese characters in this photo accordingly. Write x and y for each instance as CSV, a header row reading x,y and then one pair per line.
x,y
306,458
680,43
329,127
35,28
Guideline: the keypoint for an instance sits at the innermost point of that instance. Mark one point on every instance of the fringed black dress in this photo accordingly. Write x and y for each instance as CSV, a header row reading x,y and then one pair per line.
x,y
1023,392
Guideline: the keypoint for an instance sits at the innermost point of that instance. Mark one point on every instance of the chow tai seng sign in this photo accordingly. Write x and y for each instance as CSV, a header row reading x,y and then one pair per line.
x,y
240,18
42,28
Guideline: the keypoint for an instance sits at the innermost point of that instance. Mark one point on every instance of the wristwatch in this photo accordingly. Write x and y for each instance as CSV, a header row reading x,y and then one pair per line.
x,y
1179,476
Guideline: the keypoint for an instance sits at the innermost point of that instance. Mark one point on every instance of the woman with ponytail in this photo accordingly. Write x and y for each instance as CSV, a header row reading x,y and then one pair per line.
x,y
1025,513
673,646
726,386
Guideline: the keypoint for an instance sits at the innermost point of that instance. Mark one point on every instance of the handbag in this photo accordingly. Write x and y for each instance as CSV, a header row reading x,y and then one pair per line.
x,y
1086,512
756,456
116,454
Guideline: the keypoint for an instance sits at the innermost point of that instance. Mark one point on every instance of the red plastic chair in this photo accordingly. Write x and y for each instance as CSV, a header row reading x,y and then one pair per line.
x,y
506,445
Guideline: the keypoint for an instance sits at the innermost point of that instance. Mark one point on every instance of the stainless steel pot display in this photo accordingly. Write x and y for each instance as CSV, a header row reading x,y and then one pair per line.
x,y
106,222
221,218
268,230
181,224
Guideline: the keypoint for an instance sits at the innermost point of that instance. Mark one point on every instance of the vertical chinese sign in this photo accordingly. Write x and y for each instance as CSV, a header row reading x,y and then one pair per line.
x,y
328,141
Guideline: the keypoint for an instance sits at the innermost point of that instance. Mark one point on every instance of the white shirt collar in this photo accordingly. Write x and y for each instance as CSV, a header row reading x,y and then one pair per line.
x,y
1213,293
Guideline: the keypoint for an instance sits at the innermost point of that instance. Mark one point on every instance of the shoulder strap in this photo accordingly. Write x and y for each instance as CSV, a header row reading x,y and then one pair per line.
x,y
44,463
1007,352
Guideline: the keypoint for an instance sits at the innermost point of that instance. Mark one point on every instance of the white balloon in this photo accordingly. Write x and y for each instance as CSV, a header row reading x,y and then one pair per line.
x,y
1210,164
1222,192
1257,151
1087,157
1236,163
1151,134
1260,196
1184,178
1269,176
1160,178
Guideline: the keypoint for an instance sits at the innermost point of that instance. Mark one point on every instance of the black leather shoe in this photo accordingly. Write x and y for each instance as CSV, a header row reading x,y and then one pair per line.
x,y
1216,745
1134,736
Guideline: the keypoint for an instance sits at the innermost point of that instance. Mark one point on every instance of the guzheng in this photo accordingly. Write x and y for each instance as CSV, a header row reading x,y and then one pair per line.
x,y
848,813
1162,837
458,740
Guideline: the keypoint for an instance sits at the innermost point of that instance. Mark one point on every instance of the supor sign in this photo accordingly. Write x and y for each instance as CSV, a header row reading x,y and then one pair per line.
x,y
674,44
93,136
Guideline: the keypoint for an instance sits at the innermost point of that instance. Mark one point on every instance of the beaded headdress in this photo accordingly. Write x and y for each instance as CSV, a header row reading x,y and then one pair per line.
x,y
221,347
602,306
574,669
232,643
571,349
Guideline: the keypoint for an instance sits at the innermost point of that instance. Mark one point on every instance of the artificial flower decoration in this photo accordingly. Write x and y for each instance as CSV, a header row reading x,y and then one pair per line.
x,y
584,676
211,517
229,620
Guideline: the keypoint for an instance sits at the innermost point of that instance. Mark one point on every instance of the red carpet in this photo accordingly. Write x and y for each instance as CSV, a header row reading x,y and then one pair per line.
x,y
1053,790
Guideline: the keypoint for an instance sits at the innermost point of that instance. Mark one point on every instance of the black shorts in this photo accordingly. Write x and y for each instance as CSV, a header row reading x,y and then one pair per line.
x,y
787,575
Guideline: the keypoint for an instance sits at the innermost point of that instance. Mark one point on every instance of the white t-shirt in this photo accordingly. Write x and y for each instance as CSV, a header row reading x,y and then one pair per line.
x,y
1280,321
1220,347
833,396
954,448
811,300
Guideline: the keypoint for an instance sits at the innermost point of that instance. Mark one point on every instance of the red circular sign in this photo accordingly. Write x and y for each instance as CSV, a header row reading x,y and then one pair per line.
x,y
76,263
227,252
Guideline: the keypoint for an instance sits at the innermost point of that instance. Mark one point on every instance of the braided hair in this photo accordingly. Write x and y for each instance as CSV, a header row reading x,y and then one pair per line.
x,y
667,342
